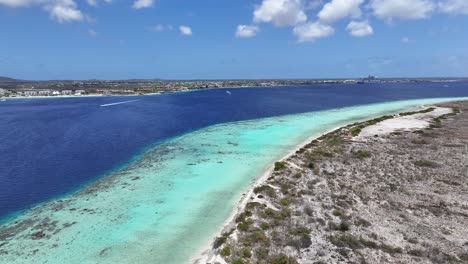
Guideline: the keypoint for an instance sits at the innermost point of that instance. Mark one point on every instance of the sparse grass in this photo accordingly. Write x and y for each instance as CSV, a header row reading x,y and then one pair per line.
x,y
345,241
353,242
424,163
285,201
265,189
419,141
430,109
337,212
390,249
282,259
355,131
362,154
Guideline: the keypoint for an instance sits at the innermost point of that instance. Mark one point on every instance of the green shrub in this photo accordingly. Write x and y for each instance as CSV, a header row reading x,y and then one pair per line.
x,y
264,225
368,243
390,249
337,212
424,163
279,165
285,201
355,131
219,241
246,253
344,226
243,226
266,189
362,154
237,261
226,251
345,241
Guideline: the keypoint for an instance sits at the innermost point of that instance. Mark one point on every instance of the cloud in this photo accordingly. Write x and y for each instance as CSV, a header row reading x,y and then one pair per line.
x,y
281,13
140,4
406,40
246,31
59,10
402,9
311,31
63,13
453,7
360,29
339,9
185,30
96,2
160,28
92,33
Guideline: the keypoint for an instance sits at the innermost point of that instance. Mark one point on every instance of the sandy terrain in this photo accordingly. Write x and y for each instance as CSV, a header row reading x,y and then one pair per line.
x,y
390,190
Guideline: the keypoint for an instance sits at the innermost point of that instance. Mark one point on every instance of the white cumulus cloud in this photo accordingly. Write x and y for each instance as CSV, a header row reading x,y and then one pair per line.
x,y
360,28
312,31
185,30
140,4
59,10
402,9
281,13
246,31
339,9
454,7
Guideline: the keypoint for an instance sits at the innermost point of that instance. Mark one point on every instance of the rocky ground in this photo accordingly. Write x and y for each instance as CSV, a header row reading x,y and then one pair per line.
x,y
353,197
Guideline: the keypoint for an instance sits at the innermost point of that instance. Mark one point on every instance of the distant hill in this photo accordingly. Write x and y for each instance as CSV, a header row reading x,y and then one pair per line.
x,y
7,79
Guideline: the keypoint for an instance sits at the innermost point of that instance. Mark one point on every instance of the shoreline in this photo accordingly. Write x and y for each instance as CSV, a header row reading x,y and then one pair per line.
x,y
202,255
432,115
207,254
266,170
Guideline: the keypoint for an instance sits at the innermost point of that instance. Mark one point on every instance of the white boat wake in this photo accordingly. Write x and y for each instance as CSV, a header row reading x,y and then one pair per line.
x,y
124,102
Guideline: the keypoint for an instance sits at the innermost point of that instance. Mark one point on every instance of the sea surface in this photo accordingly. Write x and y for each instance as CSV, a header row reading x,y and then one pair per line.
x,y
151,179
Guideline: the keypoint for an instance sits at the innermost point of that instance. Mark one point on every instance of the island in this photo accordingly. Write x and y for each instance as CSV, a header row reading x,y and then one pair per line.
x,y
388,190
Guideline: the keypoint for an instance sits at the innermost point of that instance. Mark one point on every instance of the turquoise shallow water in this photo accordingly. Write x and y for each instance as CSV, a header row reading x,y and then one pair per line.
x,y
171,200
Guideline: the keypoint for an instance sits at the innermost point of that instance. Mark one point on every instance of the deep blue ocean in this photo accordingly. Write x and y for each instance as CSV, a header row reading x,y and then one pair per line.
x,y
49,147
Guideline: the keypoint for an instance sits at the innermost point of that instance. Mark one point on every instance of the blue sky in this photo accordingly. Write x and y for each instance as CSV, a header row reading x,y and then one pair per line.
x,y
213,39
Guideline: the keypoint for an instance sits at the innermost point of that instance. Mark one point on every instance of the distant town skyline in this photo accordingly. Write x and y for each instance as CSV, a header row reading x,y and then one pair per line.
x,y
245,39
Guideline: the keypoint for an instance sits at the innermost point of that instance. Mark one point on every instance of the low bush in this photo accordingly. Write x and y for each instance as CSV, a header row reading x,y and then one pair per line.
x,y
282,259
344,226
337,212
424,163
226,251
279,165
265,189
362,154
246,253
219,241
